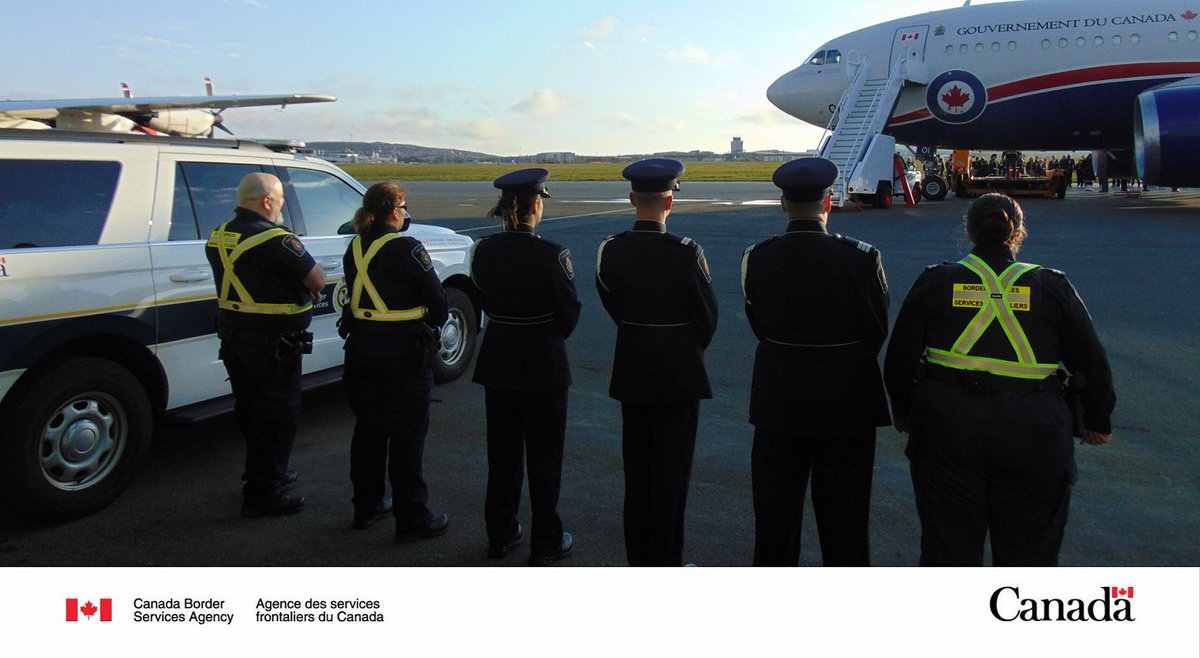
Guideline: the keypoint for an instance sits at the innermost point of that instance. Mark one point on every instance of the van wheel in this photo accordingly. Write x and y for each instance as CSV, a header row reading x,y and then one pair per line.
x,y
457,343
75,439
883,195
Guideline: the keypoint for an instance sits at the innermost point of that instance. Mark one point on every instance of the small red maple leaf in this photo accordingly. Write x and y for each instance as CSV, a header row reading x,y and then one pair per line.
x,y
88,609
1188,15
956,97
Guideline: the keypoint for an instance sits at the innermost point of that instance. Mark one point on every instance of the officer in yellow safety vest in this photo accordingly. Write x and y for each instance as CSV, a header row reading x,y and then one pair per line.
x,y
266,283
975,370
396,310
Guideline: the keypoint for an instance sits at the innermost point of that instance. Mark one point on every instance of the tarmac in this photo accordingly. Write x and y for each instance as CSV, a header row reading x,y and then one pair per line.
x,y
1131,258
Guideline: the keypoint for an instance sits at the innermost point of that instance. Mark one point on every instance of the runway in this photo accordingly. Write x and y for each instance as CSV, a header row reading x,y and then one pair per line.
x,y
1132,259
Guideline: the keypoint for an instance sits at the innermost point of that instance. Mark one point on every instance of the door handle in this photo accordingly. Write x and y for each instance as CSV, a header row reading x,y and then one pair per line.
x,y
331,264
190,276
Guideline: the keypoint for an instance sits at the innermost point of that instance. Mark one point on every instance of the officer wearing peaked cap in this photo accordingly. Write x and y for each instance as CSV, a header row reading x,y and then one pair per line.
x,y
657,288
526,286
818,305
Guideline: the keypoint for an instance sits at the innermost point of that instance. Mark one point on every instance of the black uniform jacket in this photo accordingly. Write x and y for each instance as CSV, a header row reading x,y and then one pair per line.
x,y
273,273
403,274
526,286
658,289
1057,325
818,305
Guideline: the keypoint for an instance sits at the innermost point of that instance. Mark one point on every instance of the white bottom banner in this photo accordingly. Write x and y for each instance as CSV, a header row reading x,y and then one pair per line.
x,y
602,611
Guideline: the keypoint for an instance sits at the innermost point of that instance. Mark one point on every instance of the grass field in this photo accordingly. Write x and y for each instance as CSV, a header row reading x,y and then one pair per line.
x,y
696,171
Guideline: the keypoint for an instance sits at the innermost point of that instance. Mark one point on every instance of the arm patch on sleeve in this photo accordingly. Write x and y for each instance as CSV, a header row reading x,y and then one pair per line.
x,y
422,257
294,245
702,262
564,259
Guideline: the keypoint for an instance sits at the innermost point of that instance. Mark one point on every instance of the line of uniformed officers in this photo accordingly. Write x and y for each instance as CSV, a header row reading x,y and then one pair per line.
x,y
977,369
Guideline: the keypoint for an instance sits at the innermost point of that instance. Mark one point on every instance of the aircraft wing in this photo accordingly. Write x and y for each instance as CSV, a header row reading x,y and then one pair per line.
x,y
152,103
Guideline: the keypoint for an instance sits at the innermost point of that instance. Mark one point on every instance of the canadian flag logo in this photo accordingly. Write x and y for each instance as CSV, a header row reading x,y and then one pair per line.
x,y
89,610
1122,592
906,36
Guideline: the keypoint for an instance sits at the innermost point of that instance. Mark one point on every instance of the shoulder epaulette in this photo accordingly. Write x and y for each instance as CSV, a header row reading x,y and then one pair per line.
x,y
857,244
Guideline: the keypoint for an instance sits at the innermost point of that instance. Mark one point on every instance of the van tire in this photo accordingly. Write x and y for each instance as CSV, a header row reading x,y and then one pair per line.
x,y
74,439
458,337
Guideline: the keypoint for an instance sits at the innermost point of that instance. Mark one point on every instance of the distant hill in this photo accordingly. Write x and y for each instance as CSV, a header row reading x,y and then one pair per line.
x,y
386,152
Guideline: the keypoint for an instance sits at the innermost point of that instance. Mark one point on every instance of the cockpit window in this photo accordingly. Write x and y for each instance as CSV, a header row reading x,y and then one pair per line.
x,y
833,56
818,59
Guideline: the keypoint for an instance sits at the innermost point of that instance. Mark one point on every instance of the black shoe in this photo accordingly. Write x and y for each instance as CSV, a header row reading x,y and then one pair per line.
x,y
564,549
500,551
364,520
436,526
289,479
280,505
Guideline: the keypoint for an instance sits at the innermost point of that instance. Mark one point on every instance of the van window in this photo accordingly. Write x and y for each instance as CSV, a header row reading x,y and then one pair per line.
x,y
55,203
324,201
206,196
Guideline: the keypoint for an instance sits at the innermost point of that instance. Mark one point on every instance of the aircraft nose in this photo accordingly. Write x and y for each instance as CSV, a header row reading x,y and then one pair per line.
x,y
787,94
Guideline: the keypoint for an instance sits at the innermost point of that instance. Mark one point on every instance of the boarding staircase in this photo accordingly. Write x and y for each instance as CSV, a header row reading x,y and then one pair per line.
x,y
861,116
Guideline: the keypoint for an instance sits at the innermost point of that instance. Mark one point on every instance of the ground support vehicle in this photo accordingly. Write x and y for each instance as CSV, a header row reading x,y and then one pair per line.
x,y
107,303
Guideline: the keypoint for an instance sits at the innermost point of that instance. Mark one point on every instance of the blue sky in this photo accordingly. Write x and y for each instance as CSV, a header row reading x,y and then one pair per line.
x,y
518,77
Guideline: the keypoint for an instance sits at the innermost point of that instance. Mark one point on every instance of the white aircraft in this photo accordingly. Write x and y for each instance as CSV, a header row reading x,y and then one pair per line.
x,y
189,116
1110,76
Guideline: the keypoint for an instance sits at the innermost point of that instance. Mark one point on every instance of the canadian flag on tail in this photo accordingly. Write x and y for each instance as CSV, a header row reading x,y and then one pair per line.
x,y
89,610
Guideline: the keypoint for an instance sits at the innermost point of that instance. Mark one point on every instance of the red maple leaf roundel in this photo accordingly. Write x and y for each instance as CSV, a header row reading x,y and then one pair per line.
x,y
955,97
1188,15
88,609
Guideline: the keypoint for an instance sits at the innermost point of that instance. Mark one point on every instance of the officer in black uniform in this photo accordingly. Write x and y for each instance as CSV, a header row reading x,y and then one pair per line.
x,y
266,285
973,373
818,305
526,286
391,324
658,289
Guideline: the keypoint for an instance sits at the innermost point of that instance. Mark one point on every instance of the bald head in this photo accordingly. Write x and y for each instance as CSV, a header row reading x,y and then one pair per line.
x,y
262,193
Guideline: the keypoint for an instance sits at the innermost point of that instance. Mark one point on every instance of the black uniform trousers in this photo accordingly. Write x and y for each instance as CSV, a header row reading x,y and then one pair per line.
x,y
529,426
841,465
389,389
266,392
990,462
658,442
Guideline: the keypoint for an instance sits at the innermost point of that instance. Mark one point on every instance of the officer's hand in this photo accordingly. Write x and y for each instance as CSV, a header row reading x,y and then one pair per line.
x,y
1095,438
901,423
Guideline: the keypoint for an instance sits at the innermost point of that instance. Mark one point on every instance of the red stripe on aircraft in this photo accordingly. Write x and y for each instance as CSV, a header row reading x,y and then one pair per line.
x,y
1114,73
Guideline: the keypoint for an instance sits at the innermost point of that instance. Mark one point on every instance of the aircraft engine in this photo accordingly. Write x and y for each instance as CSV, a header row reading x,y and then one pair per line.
x,y
1167,135
189,123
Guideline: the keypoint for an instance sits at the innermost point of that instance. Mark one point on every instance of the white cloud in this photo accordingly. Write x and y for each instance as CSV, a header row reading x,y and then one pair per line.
x,y
598,32
541,104
628,120
478,129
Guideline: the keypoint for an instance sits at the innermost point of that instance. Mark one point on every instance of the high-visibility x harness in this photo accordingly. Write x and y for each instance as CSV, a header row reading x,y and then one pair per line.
x,y
996,299
380,312
231,247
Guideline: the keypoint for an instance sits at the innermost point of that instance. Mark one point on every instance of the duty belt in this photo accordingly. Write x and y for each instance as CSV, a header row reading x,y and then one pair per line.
x,y
982,381
545,318
786,343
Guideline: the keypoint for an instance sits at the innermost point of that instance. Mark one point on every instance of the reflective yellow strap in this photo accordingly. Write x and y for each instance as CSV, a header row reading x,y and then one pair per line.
x,y
994,366
998,305
229,254
362,281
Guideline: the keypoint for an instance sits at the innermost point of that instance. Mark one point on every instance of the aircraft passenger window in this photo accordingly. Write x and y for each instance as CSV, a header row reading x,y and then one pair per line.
x,y
1135,38
54,203
1116,40
212,191
1172,36
1062,43
949,50
979,47
1099,41
326,201
818,59
1012,45
1045,44
1191,35
963,49
833,56
1080,41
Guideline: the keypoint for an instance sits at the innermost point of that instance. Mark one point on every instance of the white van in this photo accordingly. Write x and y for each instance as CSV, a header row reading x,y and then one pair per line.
x,y
107,303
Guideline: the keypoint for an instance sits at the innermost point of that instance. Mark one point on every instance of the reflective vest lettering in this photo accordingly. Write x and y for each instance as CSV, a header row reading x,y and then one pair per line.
x,y
231,247
379,312
997,300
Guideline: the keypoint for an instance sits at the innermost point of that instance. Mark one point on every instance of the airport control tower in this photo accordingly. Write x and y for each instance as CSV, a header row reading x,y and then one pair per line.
x,y
736,148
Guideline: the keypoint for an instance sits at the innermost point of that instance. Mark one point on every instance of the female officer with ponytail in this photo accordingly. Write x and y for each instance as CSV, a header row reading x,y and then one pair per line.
x,y
974,373
526,286
395,310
